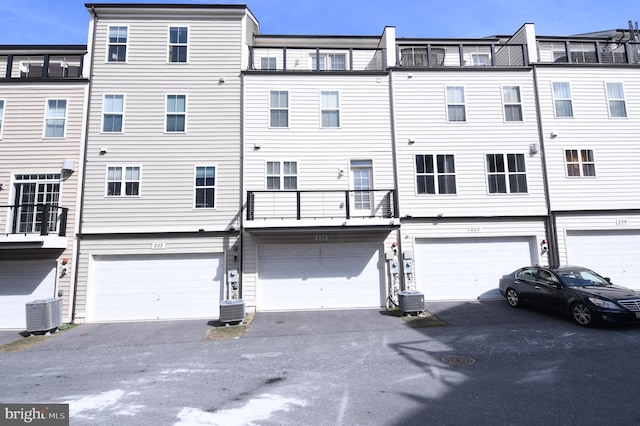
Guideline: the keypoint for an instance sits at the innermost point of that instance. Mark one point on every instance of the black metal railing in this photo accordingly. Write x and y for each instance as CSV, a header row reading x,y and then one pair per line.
x,y
327,204
318,59
44,66
588,52
431,55
42,219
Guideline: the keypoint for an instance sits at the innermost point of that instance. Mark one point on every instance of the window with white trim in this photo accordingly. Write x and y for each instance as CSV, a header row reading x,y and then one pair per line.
x,y
1,116
512,103
330,105
112,113
268,63
117,44
456,110
506,173
55,118
331,61
178,44
580,162
435,174
176,113
279,108
562,99
282,175
617,103
205,187
123,181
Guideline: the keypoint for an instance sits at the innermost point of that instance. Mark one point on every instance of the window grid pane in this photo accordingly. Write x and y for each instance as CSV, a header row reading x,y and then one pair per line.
x,y
176,113
117,49
456,111
113,113
205,183
562,99
55,116
580,162
279,104
178,44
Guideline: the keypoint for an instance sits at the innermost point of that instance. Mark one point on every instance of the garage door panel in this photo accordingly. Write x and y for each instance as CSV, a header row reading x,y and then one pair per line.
x,y
468,268
156,287
319,277
22,282
612,254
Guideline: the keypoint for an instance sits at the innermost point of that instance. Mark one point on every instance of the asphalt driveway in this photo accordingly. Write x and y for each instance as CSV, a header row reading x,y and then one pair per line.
x,y
268,324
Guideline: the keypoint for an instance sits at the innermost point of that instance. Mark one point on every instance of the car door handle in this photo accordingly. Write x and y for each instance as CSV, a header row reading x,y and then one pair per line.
x,y
538,287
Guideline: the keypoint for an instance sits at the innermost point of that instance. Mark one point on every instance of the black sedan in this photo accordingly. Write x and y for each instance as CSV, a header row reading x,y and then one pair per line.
x,y
584,295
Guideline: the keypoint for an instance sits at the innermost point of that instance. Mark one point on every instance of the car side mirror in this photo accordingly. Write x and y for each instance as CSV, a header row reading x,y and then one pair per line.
x,y
607,279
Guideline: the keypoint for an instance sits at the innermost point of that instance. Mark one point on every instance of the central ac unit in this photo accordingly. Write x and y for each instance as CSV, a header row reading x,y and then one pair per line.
x,y
411,301
232,310
44,314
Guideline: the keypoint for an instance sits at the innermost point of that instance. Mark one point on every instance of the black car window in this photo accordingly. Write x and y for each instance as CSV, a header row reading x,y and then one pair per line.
x,y
546,277
527,274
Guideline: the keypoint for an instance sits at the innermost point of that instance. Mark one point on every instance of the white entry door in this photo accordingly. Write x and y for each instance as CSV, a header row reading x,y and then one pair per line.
x,y
362,183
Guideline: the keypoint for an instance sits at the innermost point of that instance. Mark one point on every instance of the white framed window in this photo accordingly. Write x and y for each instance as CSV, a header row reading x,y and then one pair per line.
x,y
176,114
512,103
113,113
55,118
456,109
32,191
268,63
506,173
330,108
562,99
117,44
205,187
279,108
435,174
617,103
123,181
1,116
580,162
480,59
329,61
282,175
178,44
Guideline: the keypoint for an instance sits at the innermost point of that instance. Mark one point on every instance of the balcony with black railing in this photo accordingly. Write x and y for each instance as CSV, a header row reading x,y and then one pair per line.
x,y
41,224
439,55
588,52
29,66
316,59
321,207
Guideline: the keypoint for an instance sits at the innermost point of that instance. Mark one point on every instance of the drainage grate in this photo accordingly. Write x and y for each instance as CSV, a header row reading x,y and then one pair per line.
x,y
458,360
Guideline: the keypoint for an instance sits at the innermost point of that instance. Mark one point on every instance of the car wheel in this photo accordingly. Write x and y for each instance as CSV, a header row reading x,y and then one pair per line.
x,y
581,314
512,298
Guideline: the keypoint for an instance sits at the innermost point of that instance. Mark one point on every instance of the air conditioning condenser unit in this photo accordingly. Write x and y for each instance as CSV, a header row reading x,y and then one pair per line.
x,y
232,310
44,314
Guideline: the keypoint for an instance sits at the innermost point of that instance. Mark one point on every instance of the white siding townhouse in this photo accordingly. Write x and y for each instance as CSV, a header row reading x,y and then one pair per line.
x,y
320,218
42,107
160,217
470,172
589,88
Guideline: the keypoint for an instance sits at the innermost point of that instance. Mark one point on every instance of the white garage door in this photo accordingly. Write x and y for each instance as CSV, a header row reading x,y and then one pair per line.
x,y
320,276
613,254
22,282
468,268
128,288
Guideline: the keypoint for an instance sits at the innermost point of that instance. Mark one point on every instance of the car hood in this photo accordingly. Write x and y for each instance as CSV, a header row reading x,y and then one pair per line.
x,y
610,292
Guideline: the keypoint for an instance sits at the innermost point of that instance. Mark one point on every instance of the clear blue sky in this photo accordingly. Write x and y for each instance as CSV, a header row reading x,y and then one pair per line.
x,y
66,21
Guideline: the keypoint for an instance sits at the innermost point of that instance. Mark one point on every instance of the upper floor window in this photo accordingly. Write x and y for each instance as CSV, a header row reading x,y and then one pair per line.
x,y
435,174
332,61
503,168
480,59
268,63
279,108
512,103
205,187
456,110
117,48
1,116
330,105
176,113
617,103
55,118
282,175
113,113
562,99
580,162
123,181
178,44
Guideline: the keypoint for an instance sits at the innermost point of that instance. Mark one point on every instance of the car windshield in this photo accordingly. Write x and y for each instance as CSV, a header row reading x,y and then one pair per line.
x,y
581,277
